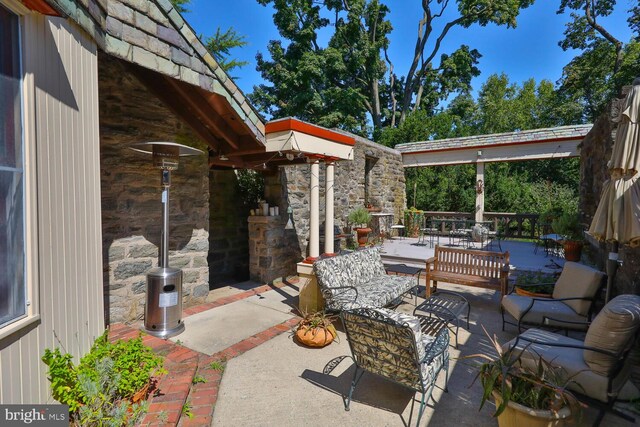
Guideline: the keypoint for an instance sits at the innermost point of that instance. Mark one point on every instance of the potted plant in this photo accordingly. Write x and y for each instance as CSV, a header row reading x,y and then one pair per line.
x,y
316,329
361,217
568,226
535,284
525,396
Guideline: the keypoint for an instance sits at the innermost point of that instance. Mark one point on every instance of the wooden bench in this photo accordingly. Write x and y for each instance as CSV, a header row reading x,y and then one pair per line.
x,y
468,267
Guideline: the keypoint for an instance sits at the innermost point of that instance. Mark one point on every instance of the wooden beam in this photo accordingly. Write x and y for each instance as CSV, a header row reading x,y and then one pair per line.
x,y
201,107
172,100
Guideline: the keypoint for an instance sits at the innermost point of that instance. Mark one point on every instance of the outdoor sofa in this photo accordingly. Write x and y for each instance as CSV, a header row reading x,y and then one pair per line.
x,y
358,280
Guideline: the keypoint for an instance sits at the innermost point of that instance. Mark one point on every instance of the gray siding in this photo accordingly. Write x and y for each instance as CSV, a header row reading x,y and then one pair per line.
x,y
63,196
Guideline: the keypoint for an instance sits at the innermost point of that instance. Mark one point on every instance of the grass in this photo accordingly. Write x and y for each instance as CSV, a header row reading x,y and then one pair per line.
x,y
217,365
198,379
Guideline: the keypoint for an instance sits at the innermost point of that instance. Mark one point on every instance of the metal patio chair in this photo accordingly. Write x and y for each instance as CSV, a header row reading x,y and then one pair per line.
x,y
393,346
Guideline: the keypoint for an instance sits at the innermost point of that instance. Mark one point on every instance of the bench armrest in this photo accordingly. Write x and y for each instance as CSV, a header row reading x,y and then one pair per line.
x,y
327,293
430,261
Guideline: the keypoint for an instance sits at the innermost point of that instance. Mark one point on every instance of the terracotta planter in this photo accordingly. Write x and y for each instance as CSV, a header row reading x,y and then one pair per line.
x,y
363,234
516,415
140,394
572,250
314,337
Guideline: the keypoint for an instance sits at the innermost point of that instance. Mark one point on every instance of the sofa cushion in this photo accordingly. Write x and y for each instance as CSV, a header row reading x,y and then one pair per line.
x,y
612,330
516,305
578,281
378,292
363,270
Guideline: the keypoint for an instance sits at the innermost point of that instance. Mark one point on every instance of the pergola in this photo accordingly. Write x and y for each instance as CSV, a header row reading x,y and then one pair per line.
x,y
537,144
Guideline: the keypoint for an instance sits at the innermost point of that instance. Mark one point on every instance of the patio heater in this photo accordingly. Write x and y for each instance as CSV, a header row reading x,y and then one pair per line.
x,y
163,308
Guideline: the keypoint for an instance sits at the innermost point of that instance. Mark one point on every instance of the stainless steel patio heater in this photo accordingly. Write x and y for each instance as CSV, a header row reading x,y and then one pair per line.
x,y
163,308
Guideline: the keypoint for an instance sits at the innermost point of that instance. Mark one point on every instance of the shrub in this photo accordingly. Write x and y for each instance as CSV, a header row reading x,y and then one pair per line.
x,y
103,384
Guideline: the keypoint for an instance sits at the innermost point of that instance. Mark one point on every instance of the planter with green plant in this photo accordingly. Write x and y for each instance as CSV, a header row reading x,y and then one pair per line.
x,y
316,329
413,221
568,226
525,396
535,284
109,385
360,218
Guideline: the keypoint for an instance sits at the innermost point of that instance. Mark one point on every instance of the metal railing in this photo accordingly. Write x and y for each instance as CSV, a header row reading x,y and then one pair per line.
x,y
510,224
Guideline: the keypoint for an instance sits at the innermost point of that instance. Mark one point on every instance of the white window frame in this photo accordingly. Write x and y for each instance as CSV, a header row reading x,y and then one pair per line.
x,y
32,313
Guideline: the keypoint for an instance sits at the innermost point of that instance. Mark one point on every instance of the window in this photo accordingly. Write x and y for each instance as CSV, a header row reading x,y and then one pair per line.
x,y
13,300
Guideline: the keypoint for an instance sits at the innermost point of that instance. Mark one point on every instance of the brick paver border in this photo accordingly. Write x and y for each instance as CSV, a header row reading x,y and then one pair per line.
x,y
176,389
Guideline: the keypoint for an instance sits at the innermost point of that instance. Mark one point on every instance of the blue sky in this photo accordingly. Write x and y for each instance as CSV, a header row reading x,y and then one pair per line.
x,y
530,50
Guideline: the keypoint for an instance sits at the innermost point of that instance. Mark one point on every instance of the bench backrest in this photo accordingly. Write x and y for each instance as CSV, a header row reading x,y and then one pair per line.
x,y
350,269
471,262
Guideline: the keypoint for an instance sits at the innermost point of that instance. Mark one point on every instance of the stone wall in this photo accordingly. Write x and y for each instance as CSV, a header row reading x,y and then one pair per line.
x,y
595,152
386,188
131,207
273,249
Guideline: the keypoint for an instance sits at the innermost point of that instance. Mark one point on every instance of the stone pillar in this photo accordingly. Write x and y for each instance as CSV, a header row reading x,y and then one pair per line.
x,y
479,191
314,212
329,211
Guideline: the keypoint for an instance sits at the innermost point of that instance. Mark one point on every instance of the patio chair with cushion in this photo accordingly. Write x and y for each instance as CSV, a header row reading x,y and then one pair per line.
x,y
569,307
599,366
392,345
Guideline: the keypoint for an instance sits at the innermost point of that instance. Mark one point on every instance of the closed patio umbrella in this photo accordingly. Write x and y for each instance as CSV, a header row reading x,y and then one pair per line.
x,y
617,218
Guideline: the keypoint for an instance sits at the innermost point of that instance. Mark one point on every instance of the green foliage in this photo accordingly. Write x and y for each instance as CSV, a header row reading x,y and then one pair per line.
x,y
546,280
63,378
163,417
187,409
198,379
318,319
128,366
359,216
103,405
251,184
543,387
352,77
180,5
413,221
568,225
605,63
217,365
220,45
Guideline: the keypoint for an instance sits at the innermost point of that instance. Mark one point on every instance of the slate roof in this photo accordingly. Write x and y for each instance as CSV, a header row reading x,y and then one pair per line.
x,y
510,138
152,34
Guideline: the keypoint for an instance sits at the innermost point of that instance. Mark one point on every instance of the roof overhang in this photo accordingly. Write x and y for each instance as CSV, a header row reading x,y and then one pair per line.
x,y
295,136
508,147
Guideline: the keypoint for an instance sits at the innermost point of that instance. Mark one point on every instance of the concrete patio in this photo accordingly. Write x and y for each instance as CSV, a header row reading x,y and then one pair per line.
x,y
270,380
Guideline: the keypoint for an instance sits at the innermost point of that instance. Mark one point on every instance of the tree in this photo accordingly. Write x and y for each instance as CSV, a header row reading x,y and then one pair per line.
x,y
501,107
353,76
606,62
180,5
220,45
428,43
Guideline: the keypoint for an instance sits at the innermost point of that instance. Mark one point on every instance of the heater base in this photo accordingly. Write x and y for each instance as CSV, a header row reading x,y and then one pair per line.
x,y
166,333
